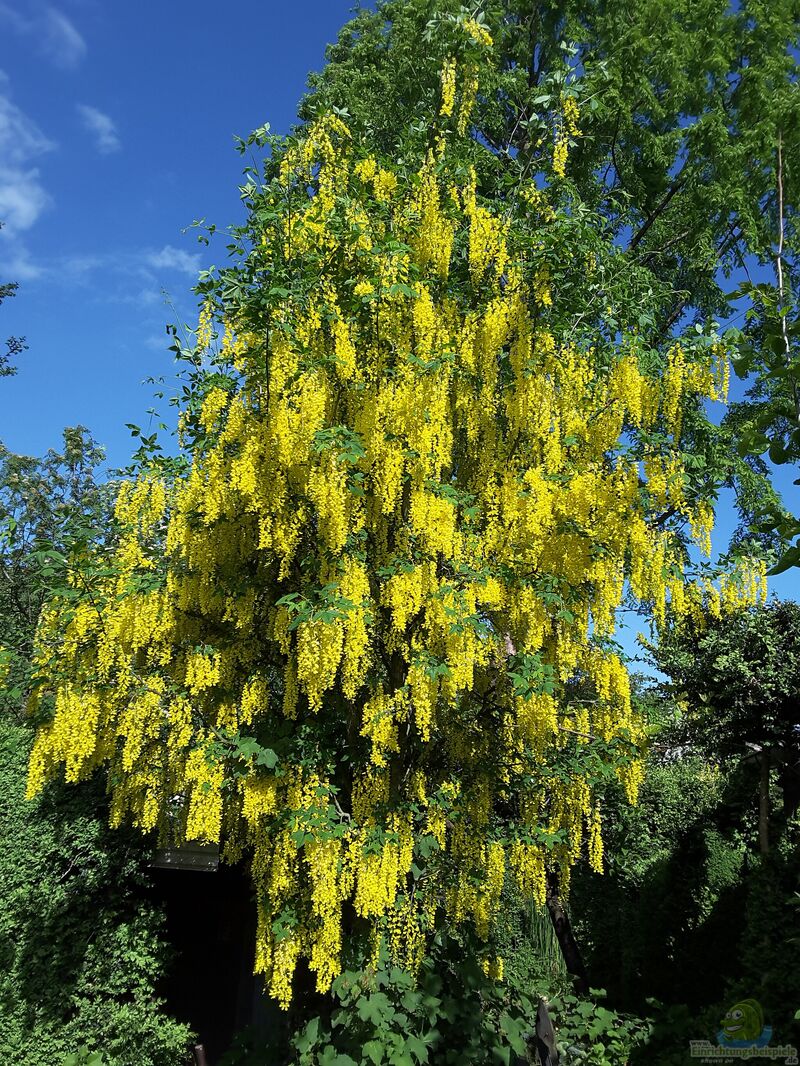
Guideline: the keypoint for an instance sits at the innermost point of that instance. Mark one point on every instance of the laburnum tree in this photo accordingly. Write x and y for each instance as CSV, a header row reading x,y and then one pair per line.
x,y
434,433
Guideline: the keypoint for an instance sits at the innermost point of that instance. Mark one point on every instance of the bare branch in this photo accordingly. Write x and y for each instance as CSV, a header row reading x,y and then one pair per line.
x,y
779,273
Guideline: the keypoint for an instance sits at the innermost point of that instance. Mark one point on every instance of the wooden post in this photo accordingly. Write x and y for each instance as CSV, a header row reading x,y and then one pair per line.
x,y
200,1055
573,959
545,1037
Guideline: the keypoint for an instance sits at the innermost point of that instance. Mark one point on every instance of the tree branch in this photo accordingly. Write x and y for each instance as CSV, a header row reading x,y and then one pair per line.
x,y
779,273
676,186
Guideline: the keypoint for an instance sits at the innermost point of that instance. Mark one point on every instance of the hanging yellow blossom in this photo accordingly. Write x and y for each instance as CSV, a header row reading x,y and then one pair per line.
x,y
448,88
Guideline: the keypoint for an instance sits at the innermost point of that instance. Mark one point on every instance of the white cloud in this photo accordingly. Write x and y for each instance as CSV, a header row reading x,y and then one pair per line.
x,y
170,258
22,199
56,37
20,137
22,195
123,275
102,128
148,297
79,268
60,40
18,266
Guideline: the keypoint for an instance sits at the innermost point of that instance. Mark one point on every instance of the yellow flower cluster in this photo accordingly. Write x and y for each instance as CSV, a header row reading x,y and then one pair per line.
x,y
382,714
469,96
213,406
478,33
567,129
204,777
448,88
205,329
433,234
411,521
406,938
571,115
487,237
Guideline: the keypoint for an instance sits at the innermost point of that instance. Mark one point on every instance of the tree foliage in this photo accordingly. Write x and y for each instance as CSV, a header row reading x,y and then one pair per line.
x,y
688,916
82,950
439,423
14,345
688,151
737,679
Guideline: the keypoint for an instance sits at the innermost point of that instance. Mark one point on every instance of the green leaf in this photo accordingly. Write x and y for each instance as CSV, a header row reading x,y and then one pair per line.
x,y
401,1058
417,1047
374,1051
427,845
375,1008
514,1029
330,1057
789,559
777,453
305,1041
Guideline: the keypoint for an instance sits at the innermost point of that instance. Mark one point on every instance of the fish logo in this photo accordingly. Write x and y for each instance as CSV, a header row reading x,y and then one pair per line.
x,y
743,1026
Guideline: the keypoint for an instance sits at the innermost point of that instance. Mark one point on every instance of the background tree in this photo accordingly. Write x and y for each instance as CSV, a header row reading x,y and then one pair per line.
x,y
51,510
83,948
690,914
688,150
14,345
737,679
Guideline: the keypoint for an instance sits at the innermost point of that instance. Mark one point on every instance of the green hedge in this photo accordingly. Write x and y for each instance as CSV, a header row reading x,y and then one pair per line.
x,y
81,947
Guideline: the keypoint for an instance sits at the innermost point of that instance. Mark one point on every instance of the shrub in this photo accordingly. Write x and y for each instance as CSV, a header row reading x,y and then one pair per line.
x,y
81,949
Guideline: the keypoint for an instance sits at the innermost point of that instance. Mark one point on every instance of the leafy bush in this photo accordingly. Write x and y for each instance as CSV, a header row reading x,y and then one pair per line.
x,y
84,1057
81,948
671,897
524,938
382,1016
452,1013
590,1033
768,970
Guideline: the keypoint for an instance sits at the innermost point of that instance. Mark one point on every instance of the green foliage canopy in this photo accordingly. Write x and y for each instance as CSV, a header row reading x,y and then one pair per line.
x,y
689,149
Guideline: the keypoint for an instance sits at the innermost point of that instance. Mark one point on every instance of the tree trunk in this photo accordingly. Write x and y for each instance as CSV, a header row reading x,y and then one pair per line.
x,y
573,959
789,778
763,804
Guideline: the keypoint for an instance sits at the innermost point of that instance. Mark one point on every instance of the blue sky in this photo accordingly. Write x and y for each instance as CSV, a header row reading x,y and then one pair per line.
x,y
116,132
